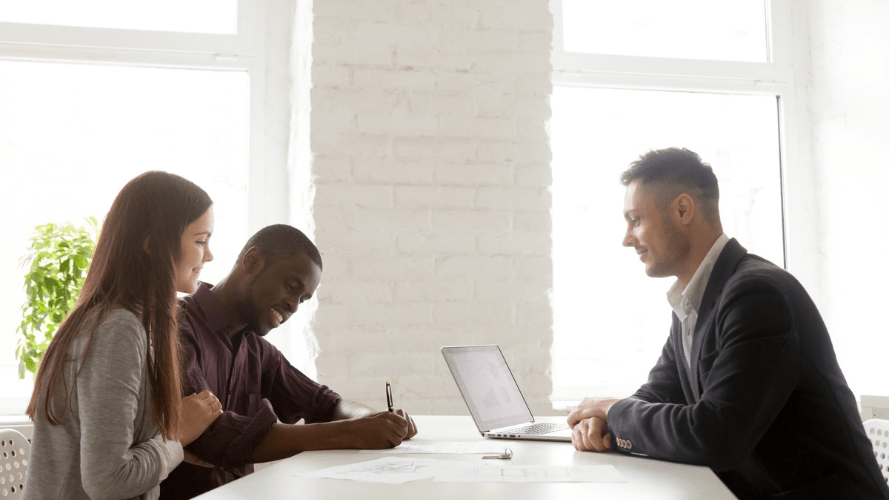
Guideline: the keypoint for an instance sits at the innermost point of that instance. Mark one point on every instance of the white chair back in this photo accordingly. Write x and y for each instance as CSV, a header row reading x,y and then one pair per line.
x,y
877,431
15,451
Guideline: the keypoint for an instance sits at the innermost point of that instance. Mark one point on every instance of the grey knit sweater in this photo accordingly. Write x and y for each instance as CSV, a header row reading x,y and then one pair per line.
x,y
109,448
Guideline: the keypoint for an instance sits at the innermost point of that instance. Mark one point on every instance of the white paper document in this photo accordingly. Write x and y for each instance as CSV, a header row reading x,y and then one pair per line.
x,y
417,447
389,470
398,470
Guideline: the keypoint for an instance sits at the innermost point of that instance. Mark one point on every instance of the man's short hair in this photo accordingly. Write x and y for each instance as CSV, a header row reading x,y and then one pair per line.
x,y
676,171
281,240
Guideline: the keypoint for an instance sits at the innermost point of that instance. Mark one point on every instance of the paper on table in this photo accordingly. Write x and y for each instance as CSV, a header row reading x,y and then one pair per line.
x,y
533,474
389,470
398,470
417,447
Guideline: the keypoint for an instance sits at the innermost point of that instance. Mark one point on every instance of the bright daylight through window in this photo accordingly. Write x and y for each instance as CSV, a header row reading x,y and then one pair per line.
x,y
72,134
604,301
189,16
687,29
610,319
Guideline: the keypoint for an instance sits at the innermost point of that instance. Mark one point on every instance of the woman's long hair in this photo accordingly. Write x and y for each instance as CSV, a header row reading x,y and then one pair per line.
x,y
134,267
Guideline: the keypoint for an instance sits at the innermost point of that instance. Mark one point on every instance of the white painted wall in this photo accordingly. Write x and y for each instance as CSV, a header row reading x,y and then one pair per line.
x,y
431,164
849,103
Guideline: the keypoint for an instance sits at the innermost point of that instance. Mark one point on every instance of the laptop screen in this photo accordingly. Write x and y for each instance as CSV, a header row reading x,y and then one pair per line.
x,y
487,385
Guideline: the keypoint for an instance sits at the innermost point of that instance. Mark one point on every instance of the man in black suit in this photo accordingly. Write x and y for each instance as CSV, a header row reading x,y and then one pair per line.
x,y
748,382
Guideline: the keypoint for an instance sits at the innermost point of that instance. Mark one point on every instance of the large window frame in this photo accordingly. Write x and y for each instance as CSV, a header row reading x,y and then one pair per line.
x,y
243,51
773,78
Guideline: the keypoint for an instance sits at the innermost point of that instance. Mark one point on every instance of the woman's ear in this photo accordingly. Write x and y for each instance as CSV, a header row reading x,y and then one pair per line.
x,y
145,245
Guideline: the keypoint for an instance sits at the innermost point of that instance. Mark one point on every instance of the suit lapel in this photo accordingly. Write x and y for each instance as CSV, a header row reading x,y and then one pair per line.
x,y
723,270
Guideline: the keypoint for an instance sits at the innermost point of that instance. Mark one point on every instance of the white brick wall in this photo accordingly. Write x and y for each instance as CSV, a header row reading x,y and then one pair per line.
x,y
431,164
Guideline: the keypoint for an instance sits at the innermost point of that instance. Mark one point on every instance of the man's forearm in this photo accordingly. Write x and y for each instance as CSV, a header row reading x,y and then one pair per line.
x,y
285,440
345,410
363,431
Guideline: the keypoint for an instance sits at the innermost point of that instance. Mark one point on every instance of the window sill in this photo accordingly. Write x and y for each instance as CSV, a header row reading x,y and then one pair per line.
x,y
19,423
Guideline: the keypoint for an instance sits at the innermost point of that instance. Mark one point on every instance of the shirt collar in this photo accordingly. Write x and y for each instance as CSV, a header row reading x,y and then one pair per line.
x,y
218,319
683,301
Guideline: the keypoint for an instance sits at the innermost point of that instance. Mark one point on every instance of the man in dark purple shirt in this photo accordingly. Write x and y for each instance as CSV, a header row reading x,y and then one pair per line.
x,y
222,334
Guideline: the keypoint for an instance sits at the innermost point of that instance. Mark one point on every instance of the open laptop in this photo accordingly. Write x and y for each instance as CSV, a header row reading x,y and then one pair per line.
x,y
494,398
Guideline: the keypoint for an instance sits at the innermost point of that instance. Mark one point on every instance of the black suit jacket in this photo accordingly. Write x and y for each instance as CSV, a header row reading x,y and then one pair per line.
x,y
765,404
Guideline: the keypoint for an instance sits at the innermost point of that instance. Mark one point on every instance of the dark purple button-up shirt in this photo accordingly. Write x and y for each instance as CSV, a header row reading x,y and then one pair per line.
x,y
250,377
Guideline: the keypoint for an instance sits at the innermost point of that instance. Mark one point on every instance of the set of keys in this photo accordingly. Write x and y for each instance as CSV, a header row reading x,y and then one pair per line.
x,y
506,455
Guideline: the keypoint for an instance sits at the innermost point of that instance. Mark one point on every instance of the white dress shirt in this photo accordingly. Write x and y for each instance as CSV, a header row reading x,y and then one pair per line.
x,y
686,303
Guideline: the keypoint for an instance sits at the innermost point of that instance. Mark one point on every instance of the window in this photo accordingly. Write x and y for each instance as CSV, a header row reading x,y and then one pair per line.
x,y
91,97
69,148
623,85
187,16
690,29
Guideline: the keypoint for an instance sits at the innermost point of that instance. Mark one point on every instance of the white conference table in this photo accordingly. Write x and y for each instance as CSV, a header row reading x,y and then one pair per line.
x,y
646,478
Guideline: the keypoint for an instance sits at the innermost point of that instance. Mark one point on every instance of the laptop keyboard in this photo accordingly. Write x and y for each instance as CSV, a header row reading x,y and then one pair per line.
x,y
539,428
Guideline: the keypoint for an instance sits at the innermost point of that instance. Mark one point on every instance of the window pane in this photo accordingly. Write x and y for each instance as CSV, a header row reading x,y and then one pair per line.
x,y
610,319
72,135
685,29
189,16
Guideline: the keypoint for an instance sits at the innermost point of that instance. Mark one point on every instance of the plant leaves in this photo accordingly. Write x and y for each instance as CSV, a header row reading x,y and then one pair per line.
x,y
56,261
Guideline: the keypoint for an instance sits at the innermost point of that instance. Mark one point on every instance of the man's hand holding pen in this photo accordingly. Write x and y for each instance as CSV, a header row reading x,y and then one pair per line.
x,y
357,426
378,430
410,427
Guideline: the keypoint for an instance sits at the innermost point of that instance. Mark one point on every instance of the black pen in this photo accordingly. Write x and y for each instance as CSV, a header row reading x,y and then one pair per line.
x,y
389,396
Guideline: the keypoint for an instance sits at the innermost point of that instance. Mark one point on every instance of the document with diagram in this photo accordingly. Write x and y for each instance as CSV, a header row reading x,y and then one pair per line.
x,y
389,470
444,447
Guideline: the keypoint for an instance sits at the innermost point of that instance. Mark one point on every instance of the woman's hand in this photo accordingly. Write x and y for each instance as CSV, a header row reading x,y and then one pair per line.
x,y
193,459
198,412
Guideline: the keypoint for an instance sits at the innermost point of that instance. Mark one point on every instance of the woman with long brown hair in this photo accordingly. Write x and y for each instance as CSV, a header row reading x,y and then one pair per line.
x,y
109,417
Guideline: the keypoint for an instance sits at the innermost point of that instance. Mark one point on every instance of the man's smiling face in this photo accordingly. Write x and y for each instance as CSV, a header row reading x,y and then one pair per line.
x,y
651,232
277,289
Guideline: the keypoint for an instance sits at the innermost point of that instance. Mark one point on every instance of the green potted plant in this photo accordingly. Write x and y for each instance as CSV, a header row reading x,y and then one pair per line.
x,y
57,264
